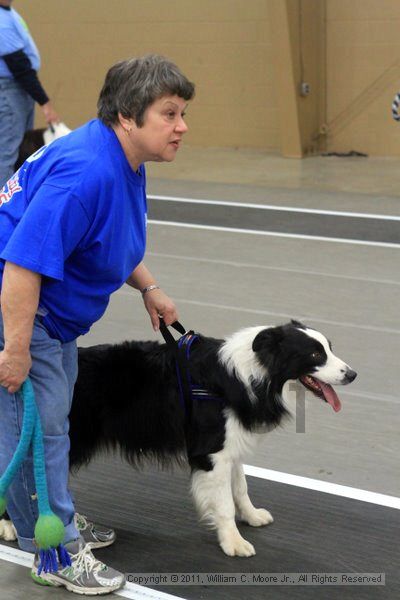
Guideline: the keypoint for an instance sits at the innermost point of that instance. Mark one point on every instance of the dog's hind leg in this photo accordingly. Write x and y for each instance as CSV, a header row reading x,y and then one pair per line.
x,y
212,492
244,507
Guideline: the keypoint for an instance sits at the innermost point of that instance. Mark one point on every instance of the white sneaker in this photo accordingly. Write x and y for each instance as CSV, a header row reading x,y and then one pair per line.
x,y
95,536
86,575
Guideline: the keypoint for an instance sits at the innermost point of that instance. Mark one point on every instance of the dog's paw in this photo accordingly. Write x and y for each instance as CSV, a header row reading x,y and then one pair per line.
x,y
7,531
237,546
258,517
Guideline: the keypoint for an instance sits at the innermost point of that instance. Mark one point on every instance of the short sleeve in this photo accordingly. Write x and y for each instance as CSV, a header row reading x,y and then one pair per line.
x,y
51,228
11,41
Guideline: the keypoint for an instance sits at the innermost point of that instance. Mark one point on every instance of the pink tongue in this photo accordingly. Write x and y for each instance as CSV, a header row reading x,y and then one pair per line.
x,y
330,396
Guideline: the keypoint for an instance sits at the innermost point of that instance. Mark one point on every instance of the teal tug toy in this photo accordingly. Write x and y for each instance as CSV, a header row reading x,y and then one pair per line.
x,y
49,529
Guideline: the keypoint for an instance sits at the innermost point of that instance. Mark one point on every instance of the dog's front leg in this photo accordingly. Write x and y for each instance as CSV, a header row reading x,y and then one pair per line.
x,y
212,492
245,509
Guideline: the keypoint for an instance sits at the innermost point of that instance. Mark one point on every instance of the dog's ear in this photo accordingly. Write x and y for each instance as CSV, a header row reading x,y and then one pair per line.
x,y
298,324
268,339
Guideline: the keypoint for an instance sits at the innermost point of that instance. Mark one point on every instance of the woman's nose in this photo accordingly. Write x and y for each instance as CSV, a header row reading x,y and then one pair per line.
x,y
181,126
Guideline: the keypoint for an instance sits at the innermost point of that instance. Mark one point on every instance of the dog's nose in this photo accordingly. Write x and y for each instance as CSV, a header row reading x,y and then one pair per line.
x,y
350,375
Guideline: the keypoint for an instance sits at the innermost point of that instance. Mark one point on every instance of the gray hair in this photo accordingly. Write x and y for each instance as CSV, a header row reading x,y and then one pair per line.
x,y
133,85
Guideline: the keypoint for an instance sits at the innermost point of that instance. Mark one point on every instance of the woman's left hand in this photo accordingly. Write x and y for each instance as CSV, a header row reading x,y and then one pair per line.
x,y
49,113
158,304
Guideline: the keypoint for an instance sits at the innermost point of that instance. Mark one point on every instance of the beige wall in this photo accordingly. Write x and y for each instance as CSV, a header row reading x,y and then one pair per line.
x,y
221,45
299,48
363,75
226,47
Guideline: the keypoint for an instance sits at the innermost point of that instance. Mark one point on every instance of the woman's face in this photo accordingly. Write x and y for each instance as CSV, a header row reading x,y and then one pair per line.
x,y
161,134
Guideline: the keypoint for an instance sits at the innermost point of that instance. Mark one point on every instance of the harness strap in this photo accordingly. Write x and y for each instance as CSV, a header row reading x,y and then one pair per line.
x,y
181,365
198,393
204,437
189,391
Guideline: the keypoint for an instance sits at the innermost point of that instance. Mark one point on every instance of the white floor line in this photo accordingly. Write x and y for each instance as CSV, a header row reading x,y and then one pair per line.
x,y
334,213
274,234
15,555
139,592
300,317
309,319
131,590
369,396
323,486
231,263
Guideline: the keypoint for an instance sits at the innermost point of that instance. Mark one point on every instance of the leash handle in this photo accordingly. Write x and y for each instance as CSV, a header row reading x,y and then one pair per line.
x,y
167,335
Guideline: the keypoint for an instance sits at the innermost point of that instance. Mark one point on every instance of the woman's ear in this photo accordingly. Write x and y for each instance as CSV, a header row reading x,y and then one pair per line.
x,y
127,124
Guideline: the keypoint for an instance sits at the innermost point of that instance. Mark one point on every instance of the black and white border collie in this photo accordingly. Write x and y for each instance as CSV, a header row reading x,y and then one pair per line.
x,y
127,398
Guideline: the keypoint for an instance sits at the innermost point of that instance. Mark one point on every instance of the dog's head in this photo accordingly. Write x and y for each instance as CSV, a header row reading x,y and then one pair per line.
x,y
294,351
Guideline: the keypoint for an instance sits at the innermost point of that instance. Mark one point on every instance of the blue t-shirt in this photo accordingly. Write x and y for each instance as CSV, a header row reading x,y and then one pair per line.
x,y
75,212
14,35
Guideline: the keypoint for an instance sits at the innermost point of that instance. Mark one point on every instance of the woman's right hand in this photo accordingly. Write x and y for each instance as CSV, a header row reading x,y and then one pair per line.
x,y
14,369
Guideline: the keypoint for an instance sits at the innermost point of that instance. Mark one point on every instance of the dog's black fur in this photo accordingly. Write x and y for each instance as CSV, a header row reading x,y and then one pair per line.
x,y
31,142
127,397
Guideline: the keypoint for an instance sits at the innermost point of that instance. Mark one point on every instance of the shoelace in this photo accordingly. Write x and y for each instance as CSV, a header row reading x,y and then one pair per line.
x,y
84,561
81,521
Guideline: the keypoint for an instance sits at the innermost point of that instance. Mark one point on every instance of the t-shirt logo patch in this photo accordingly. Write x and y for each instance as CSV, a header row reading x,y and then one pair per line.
x,y
11,187
37,154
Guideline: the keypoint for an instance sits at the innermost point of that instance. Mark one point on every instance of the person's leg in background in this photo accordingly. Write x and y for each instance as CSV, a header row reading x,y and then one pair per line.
x,y
53,374
16,116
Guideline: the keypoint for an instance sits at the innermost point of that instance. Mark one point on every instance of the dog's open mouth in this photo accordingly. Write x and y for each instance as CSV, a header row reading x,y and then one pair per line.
x,y
322,390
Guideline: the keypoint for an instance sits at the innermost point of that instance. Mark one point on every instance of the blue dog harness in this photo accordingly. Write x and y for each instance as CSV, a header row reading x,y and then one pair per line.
x,y
188,390
196,393
203,422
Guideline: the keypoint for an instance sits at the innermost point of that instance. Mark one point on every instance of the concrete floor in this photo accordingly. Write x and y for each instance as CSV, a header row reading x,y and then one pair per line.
x,y
222,281
359,445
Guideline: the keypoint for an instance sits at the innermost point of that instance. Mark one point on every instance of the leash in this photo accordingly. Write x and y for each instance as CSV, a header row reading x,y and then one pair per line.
x,y
49,529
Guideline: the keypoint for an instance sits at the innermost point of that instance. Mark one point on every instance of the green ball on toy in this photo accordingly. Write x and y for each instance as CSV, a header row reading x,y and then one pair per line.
x,y
49,531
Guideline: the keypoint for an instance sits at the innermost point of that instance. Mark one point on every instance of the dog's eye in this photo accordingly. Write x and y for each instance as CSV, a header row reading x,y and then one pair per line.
x,y
316,355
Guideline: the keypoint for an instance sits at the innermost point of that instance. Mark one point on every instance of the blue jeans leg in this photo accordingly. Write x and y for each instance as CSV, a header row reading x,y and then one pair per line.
x,y
53,374
16,116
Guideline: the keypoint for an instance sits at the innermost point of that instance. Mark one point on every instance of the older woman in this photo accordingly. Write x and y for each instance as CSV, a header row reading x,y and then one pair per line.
x,y
72,231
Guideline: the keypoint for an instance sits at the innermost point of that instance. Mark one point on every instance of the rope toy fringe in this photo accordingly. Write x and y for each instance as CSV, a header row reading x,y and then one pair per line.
x,y
49,529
